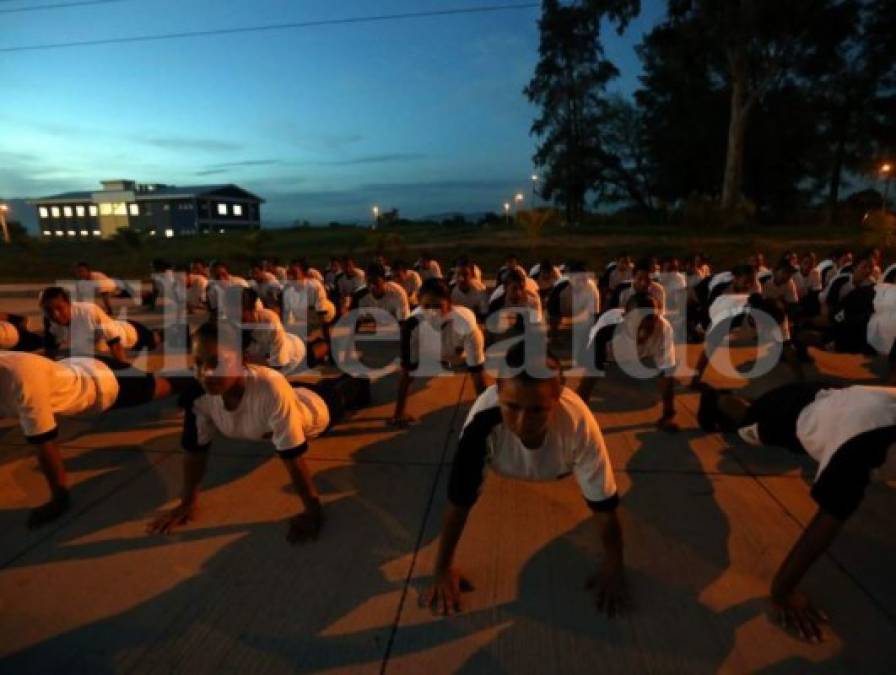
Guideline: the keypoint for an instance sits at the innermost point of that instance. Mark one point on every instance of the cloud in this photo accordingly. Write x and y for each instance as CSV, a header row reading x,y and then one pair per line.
x,y
387,158
183,143
226,167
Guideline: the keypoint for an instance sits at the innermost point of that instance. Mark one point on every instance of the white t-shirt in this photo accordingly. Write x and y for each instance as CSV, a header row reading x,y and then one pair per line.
x,y
807,283
654,290
837,415
347,283
394,300
89,326
219,290
270,409
9,335
573,445
660,346
475,299
35,389
98,283
300,296
579,299
411,285
271,343
460,339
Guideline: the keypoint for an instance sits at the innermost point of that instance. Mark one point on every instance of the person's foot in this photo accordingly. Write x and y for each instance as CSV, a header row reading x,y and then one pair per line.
x,y
47,513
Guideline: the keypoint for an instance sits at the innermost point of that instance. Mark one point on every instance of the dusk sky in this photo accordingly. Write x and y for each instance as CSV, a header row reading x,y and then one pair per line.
x,y
426,114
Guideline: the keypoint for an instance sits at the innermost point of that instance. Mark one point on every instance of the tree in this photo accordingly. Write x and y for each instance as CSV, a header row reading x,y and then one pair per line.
x,y
569,86
759,45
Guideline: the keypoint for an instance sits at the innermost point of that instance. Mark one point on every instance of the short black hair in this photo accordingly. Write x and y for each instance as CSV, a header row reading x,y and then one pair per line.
x,y
515,275
81,263
220,263
248,298
223,332
302,263
514,366
399,264
437,287
646,264
642,301
743,270
375,271
50,293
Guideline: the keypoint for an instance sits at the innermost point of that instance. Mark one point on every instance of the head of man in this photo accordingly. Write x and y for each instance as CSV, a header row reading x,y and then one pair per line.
x,y
298,269
807,264
843,259
643,275
863,269
399,270
257,271
515,288
218,356
376,280
744,279
757,260
511,260
199,267
464,276
82,271
249,305
528,403
348,265
219,271
435,299
56,304
784,271
670,265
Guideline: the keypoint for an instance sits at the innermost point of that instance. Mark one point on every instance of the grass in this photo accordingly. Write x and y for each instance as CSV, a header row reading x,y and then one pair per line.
x,y
130,257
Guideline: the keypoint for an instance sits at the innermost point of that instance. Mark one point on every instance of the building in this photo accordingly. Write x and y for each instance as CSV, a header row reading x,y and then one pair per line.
x,y
154,209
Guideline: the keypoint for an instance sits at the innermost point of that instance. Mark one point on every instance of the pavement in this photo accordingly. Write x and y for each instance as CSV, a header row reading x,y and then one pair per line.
x,y
706,522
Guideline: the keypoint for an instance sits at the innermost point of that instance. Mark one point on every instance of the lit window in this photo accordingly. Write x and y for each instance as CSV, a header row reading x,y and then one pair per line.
x,y
237,209
119,209
59,233
96,233
106,209
71,233
55,211
44,213
92,209
222,209
79,210
169,233
152,233
47,233
67,211
133,209
84,233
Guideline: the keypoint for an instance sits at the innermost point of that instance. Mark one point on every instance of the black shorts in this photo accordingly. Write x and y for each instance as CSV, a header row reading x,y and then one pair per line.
x,y
145,337
135,387
776,413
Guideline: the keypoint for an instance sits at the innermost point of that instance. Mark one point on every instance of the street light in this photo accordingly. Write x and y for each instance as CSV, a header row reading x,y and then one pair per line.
x,y
3,209
518,201
507,212
376,216
534,182
886,170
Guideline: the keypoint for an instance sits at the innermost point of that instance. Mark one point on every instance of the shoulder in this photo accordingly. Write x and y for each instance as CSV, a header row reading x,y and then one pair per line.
x,y
464,314
485,414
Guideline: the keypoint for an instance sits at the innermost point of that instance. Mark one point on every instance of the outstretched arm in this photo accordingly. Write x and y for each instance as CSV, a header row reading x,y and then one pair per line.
x,y
50,459
443,596
608,585
792,609
400,418
305,525
194,471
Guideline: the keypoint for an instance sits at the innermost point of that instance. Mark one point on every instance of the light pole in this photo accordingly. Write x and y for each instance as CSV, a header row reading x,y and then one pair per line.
x,y
534,183
886,170
507,212
3,209
518,201
376,216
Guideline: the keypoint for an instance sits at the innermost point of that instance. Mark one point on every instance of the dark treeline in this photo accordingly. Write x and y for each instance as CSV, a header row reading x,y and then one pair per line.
x,y
761,108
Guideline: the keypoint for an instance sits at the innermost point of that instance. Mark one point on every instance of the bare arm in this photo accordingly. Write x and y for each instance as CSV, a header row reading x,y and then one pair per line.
x,y
194,471
404,384
443,596
608,585
792,609
50,459
308,524
479,381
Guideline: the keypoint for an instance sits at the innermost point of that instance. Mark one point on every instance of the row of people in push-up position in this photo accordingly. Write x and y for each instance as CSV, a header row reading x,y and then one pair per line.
x,y
525,426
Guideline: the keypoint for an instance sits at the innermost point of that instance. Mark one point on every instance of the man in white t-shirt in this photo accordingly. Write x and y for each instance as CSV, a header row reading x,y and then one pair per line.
x,y
269,343
253,403
452,331
349,280
533,429
518,295
91,283
408,279
574,298
197,286
849,432
15,335
305,299
428,267
378,293
266,284
468,291
35,390
224,290
643,282
629,335
82,328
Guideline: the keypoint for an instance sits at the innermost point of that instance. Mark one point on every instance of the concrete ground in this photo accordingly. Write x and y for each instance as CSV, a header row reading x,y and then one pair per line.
x,y
706,523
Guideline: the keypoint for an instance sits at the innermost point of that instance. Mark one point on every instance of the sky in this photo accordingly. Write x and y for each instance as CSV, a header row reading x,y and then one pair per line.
x,y
425,115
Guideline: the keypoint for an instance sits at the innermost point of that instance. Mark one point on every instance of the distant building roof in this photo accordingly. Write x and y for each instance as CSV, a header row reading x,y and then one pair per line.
x,y
154,191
